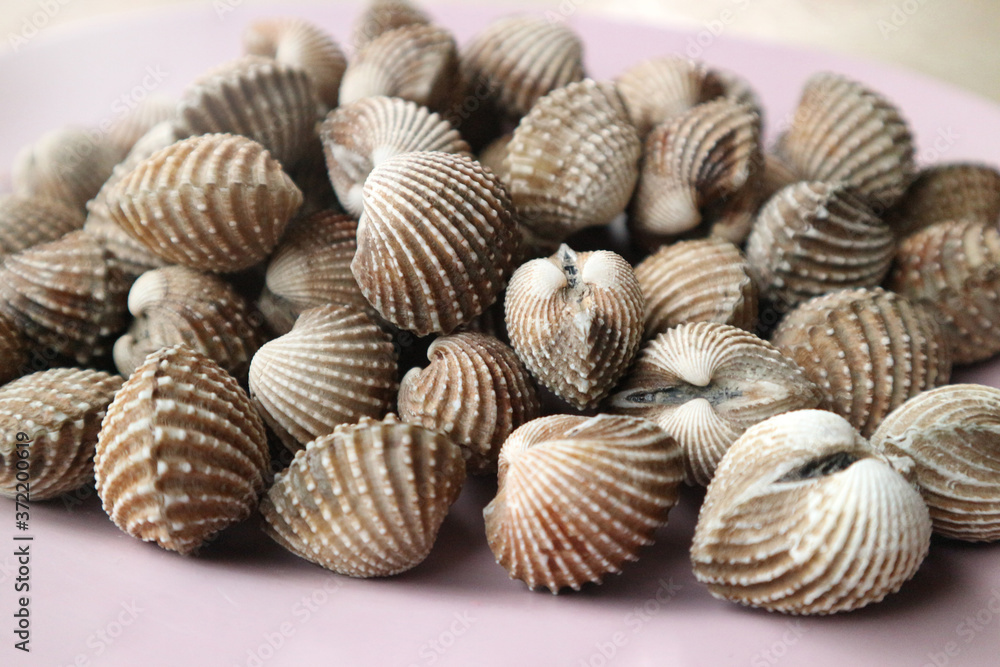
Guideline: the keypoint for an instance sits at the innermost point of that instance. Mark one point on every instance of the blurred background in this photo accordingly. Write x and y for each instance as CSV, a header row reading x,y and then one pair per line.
x,y
954,41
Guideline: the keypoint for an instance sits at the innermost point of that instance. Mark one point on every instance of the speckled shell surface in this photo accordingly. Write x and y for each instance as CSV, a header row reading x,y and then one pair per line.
x,y
334,367
475,390
50,420
181,453
367,500
28,221
437,241
579,496
948,191
805,517
707,383
868,350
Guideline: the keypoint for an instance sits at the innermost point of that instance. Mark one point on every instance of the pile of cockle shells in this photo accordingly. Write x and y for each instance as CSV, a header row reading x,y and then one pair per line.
x,y
266,261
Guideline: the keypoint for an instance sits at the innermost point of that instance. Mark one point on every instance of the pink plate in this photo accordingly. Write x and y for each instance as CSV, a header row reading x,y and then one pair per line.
x,y
99,597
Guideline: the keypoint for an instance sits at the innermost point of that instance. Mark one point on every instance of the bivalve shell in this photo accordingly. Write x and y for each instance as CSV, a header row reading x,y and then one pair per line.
x,y
28,221
949,191
658,89
381,16
132,126
14,351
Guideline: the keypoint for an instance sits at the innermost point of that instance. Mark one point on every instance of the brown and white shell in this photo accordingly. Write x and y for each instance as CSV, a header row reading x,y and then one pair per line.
x,y
805,517
263,99
520,59
953,269
475,390
334,367
366,500
703,280
494,154
701,169
812,238
415,62
381,16
436,242
28,221
49,423
137,122
868,350
66,295
775,176
579,496
573,160
303,44
845,132
952,434
576,321
15,352
658,89
217,202
182,453
706,384
948,191
175,305
359,136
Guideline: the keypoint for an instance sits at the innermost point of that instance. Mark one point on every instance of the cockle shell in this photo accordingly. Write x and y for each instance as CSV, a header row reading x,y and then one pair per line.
x,y
359,136
812,238
182,453
520,59
658,89
217,202
302,44
868,350
68,165
14,351
475,390
50,421
573,160
706,384
703,280
367,500
271,102
494,154
805,517
953,436
701,167
415,62
578,497
381,16
334,367
953,268
138,120
845,132
28,221
576,320
176,304
949,191
66,295
436,242
775,176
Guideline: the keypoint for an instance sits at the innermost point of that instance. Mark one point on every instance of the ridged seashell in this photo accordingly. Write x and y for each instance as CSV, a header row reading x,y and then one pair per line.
x,y
576,321
359,136
415,62
367,500
68,165
475,390
805,517
706,384
494,154
697,169
520,59
182,453
812,238
775,176
844,132
14,351
137,122
953,268
656,90
176,304
578,497
440,259
951,191
704,280
573,160
28,221
868,350
66,295
334,367
50,420
953,436
262,99
381,16
301,44
217,202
